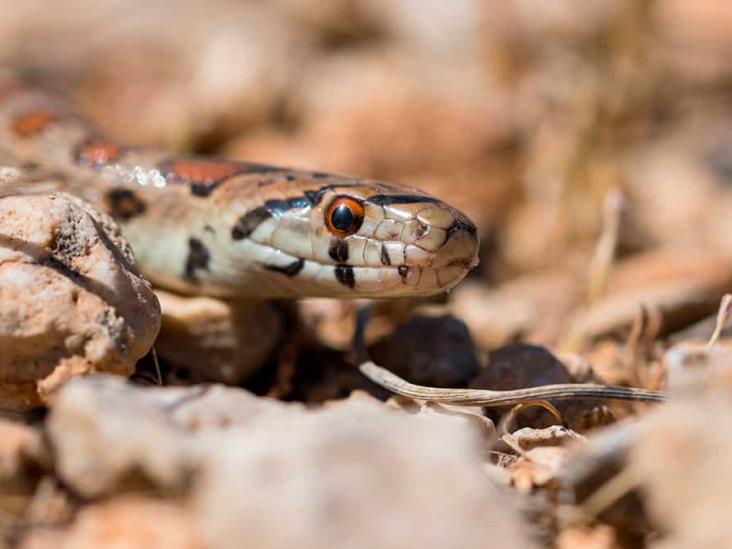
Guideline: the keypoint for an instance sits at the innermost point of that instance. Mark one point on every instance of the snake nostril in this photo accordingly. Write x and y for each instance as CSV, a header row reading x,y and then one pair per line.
x,y
461,225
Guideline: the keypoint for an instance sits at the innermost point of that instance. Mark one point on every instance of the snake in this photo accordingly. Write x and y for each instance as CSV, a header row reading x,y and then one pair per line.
x,y
225,228
232,229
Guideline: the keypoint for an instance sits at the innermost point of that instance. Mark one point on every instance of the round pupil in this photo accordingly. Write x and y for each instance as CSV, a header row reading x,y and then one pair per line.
x,y
342,217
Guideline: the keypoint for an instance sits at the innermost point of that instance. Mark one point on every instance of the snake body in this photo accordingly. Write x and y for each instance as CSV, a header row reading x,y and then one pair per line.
x,y
206,226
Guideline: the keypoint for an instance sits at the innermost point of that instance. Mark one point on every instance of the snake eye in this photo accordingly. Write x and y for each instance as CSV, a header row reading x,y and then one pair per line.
x,y
344,216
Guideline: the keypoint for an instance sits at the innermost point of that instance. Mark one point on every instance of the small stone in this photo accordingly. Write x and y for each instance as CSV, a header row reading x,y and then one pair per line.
x,y
434,350
217,341
518,365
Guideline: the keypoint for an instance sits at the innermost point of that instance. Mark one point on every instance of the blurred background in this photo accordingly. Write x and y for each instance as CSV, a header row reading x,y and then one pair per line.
x,y
590,140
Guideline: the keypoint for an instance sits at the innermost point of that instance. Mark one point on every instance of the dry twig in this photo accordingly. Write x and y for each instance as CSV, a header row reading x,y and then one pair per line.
x,y
488,398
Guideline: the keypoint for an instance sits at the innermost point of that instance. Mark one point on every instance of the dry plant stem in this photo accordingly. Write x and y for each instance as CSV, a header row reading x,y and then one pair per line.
x,y
485,397
508,419
639,346
725,309
158,373
601,263
604,255
38,506
618,486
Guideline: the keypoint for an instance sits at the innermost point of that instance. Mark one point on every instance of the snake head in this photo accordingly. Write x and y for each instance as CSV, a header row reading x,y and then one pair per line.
x,y
339,237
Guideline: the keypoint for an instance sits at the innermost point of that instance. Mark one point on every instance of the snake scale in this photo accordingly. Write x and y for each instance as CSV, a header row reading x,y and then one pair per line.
x,y
232,229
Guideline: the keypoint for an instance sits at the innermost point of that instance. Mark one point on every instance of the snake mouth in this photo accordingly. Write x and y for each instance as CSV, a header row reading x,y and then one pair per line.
x,y
467,264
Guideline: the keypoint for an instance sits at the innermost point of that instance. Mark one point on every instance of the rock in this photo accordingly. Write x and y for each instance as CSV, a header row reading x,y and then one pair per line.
x,y
218,341
331,322
473,416
556,435
22,456
537,467
104,430
587,537
429,349
518,366
71,301
354,475
351,474
125,522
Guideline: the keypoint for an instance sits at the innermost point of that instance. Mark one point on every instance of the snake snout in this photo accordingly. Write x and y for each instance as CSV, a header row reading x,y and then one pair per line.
x,y
459,242
459,252
448,244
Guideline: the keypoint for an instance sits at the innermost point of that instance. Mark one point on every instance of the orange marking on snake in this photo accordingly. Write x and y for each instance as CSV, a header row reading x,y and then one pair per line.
x,y
203,176
32,123
201,171
97,152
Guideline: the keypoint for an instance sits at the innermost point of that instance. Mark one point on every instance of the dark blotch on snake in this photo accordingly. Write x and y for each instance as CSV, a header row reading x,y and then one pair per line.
x,y
385,259
290,270
202,189
386,199
272,208
276,207
316,196
345,275
198,258
248,222
299,202
338,250
124,204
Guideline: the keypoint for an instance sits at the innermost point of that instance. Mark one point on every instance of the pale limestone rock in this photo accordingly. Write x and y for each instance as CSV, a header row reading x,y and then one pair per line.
x,y
103,429
70,300
262,473
354,475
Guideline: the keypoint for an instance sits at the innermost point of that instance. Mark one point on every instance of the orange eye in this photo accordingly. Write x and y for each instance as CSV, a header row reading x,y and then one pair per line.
x,y
344,216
